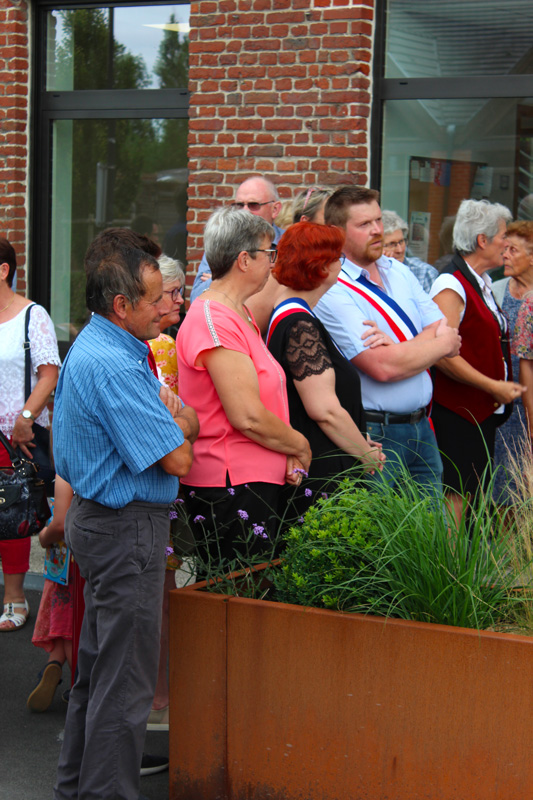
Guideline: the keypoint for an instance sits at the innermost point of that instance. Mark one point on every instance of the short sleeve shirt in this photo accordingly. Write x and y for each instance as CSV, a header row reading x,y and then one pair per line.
x,y
110,426
220,449
343,312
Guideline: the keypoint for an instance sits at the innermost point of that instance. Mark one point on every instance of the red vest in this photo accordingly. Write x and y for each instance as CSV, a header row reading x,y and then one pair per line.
x,y
482,349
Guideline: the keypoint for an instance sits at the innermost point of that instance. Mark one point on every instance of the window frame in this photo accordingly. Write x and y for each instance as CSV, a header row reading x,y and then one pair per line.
x,y
49,106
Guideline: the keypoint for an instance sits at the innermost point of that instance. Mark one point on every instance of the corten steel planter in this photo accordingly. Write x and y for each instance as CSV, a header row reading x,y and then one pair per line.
x,y
281,702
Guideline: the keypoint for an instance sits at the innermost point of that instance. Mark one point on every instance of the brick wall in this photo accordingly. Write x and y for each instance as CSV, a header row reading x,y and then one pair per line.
x,y
280,88
14,99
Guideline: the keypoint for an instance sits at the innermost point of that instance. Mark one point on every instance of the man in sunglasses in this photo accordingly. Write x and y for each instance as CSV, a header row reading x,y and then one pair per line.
x,y
257,195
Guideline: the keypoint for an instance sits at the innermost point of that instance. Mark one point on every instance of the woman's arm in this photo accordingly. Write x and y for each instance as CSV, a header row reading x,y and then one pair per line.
x,y
457,368
317,393
235,380
47,375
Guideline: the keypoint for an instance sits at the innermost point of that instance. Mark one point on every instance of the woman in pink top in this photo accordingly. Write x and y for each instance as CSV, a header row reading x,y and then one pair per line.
x,y
246,449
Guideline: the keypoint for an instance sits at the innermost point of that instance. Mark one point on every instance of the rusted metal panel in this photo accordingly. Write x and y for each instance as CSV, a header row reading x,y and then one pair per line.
x,y
328,706
197,679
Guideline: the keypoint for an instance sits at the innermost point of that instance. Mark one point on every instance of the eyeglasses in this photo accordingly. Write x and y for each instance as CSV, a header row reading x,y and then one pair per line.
x,y
272,253
253,206
392,245
175,293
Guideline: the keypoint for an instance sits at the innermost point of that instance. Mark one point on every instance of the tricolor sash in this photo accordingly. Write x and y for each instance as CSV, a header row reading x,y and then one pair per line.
x,y
398,321
291,306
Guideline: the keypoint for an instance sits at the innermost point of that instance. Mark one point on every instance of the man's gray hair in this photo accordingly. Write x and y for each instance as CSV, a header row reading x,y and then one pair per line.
x,y
228,232
171,269
476,217
272,189
392,222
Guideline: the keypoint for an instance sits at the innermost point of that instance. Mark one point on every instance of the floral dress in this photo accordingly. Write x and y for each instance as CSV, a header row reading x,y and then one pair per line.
x,y
510,436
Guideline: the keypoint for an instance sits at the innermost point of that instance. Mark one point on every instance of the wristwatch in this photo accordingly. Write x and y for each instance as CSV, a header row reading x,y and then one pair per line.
x,y
27,415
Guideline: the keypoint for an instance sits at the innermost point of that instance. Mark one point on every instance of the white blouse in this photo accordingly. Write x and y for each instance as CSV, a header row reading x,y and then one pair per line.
x,y
43,350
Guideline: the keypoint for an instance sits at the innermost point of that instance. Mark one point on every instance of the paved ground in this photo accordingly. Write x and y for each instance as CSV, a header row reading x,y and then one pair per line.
x,y
31,742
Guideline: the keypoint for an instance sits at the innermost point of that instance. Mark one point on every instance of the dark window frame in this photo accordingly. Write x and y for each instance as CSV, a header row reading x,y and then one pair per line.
x,y
457,87
48,106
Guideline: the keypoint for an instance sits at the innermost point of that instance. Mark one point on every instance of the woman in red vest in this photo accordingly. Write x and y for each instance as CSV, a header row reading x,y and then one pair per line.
x,y
474,391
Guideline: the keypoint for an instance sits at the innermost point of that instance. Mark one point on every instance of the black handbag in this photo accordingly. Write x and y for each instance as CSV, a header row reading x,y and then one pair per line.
x,y
24,508
41,440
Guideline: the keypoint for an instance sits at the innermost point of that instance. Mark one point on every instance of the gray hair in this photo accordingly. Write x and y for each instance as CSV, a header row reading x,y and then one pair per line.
x,y
171,269
120,271
476,217
392,222
272,189
228,232
308,202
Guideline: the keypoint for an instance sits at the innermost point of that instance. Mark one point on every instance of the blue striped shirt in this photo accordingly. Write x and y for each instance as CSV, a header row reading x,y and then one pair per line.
x,y
110,425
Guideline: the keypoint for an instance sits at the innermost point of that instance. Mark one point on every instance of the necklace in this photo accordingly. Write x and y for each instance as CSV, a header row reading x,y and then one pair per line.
x,y
10,303
234,304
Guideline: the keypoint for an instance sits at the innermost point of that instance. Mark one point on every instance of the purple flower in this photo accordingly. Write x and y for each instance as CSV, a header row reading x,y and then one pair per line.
x,y
258,530
300,519
172,514
299,471
246,486
231,490
191,494
308,493
199,518
179,500
169,551
324,495
242,514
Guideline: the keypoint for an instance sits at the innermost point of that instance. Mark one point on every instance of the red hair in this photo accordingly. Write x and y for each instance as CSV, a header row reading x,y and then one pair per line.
x,y
305,252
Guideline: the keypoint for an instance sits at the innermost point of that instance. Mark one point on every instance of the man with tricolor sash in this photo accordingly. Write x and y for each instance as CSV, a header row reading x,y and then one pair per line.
x,y
395,382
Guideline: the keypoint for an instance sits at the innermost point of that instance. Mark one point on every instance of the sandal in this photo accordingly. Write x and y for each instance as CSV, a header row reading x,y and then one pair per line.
x,y
10,615
48,680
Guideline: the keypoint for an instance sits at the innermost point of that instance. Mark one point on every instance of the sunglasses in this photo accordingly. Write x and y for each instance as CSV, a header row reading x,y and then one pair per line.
x,y
253,206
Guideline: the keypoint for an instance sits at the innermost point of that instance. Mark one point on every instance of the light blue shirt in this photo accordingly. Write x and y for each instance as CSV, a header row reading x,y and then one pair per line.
x,y
343,311
200,286
425,273
110,426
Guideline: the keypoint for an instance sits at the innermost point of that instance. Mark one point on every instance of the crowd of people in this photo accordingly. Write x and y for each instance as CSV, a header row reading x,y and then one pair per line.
x,y
309,351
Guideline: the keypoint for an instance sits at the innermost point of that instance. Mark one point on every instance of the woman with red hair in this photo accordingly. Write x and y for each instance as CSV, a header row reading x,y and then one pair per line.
x,y
323,386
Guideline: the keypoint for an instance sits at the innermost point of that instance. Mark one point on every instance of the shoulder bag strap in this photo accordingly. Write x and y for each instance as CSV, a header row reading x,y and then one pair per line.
x,y
27,354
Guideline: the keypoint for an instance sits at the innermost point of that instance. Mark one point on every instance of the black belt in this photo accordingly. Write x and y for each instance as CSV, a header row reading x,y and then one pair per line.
x,y
387,418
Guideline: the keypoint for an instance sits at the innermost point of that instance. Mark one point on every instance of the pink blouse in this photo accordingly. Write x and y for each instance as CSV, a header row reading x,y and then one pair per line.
x,y
220,448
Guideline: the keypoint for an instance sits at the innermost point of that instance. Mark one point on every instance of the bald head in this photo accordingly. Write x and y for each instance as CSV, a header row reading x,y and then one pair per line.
x,y
263,196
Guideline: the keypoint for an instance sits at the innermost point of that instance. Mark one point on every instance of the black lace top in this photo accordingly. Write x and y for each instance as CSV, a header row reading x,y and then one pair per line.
x,y
303,347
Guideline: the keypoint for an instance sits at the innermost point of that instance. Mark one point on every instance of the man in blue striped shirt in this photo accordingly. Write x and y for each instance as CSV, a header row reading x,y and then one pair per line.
x,y
121,440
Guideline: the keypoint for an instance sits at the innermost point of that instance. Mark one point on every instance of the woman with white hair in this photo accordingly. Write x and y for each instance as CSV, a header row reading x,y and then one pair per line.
x,y
395,232
473,392
163,348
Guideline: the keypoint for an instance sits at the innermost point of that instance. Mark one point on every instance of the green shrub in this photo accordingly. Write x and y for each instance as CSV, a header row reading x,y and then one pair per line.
x,y
399,553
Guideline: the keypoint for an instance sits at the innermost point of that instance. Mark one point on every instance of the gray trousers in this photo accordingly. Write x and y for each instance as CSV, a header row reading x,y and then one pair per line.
x,y
121,555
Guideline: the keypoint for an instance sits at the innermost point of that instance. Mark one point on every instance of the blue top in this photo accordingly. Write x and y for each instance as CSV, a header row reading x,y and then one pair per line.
x,y
110,425
425,273
200,286
342,311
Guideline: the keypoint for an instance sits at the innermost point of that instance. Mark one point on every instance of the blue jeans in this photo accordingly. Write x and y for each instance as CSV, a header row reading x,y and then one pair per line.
x,y
412,448
121,555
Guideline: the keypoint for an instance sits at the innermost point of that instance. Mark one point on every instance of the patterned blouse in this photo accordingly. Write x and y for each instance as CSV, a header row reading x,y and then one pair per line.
x,y
164,350
522,345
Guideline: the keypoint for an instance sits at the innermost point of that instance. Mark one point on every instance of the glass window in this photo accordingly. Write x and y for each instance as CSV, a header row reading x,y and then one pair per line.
x,y
112,172
445,38
125,47
437,152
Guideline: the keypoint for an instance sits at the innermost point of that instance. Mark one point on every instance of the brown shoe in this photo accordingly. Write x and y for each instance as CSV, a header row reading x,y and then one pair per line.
x,y
43,694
